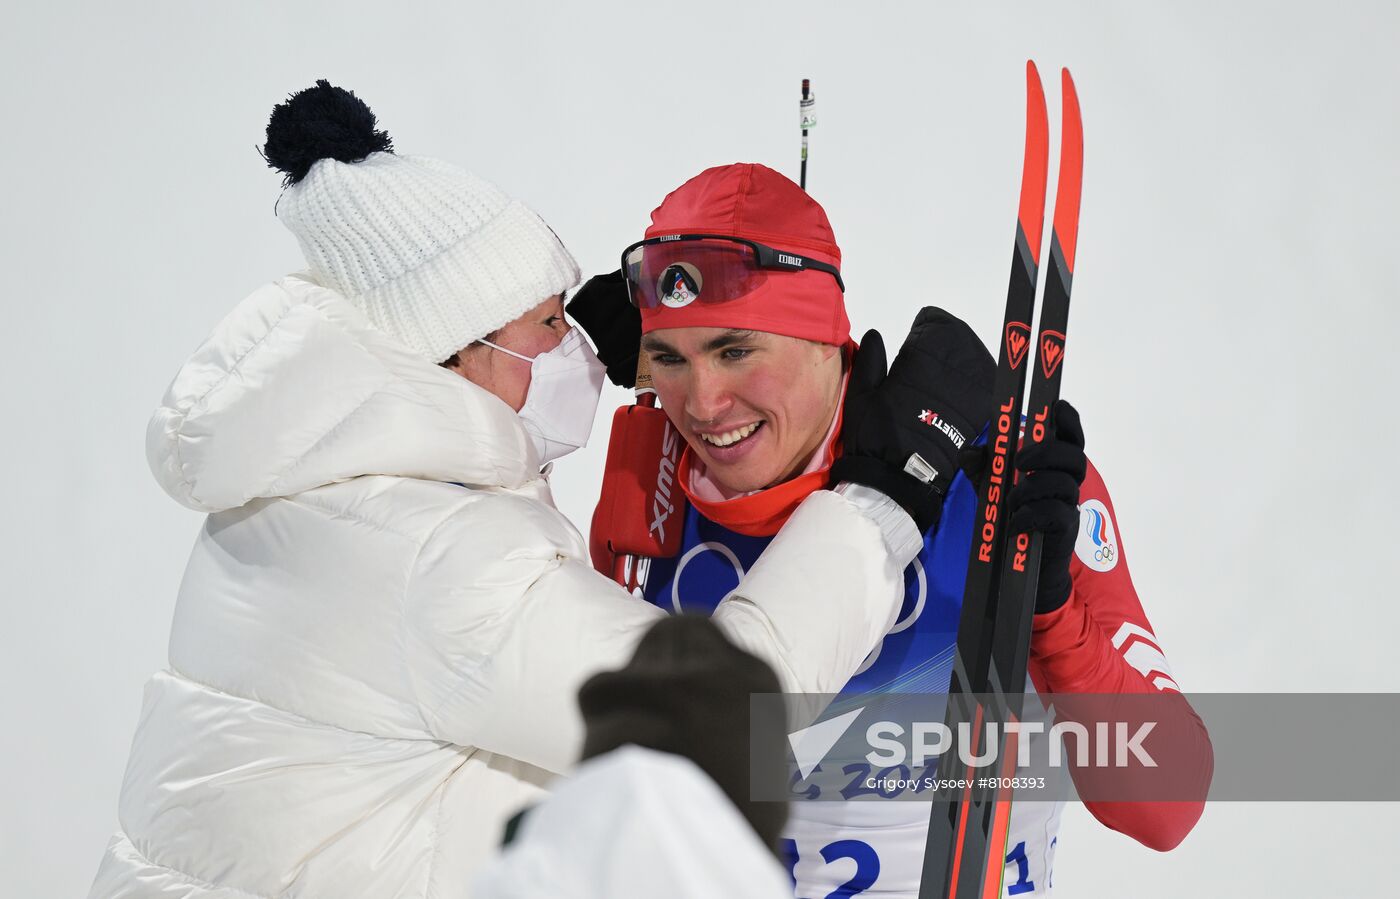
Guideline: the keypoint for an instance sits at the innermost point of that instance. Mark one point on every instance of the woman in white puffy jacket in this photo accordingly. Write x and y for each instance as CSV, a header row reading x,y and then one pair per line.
x,y
384,621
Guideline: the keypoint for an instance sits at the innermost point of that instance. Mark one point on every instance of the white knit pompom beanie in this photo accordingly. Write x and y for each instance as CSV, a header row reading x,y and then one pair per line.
x,y
431,253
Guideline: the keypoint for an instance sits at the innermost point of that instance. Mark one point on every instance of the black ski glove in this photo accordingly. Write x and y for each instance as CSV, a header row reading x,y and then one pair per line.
x,y
686,691
1046,499
603,309
901,432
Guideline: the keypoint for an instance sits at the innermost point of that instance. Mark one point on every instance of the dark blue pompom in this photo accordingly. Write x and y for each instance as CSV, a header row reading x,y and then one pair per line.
x,y
321,122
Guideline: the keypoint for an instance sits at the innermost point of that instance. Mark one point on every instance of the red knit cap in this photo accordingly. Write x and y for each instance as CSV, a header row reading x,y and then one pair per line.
x,y
753,201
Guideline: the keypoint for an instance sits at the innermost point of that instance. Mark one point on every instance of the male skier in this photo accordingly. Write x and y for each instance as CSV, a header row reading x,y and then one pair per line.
x,y
744,324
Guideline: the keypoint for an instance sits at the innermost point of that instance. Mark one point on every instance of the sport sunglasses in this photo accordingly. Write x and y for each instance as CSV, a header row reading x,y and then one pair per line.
x,y
678,269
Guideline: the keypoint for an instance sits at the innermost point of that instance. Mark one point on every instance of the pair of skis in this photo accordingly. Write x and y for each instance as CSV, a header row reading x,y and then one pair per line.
x,y
964,857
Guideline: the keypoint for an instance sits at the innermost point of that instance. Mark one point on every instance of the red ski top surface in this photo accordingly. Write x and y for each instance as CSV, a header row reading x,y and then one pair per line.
x,y
1071,170
1037,161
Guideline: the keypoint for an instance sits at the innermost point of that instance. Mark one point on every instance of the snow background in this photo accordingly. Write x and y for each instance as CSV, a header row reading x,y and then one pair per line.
x,y
1234,309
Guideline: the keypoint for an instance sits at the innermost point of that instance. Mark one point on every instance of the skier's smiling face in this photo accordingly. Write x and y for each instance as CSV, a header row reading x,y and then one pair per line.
x,y
753,406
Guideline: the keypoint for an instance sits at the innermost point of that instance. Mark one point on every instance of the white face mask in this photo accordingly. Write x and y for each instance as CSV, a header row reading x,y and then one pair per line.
x,y
565,384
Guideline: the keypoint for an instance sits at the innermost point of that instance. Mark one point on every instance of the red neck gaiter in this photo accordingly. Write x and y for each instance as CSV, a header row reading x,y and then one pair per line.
x,y
764,512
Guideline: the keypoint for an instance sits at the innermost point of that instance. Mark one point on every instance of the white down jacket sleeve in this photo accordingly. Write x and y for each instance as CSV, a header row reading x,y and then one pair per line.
x,y
505,619
505,623
822,595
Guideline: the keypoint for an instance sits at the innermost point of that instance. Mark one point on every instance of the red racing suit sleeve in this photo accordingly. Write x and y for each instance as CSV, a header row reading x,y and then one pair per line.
x,y
1100,642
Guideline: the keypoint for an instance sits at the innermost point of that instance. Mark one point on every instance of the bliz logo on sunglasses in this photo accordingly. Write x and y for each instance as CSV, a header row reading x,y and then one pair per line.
x,y
785,259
